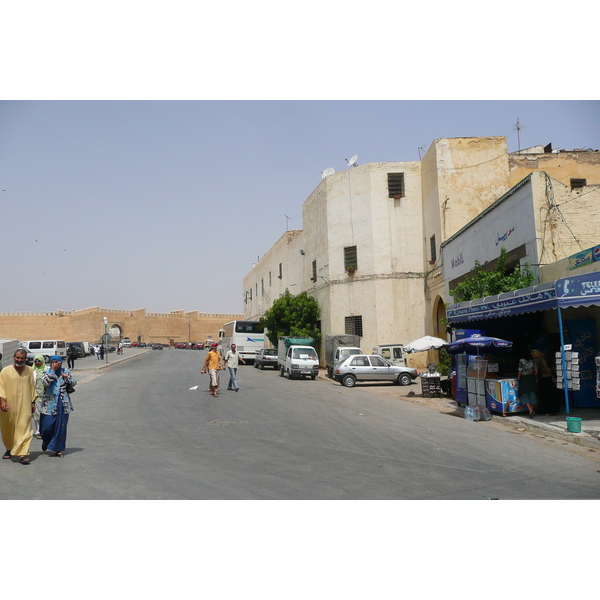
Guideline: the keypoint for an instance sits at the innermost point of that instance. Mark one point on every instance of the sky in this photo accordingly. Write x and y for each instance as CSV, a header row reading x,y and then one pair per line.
x,y
166,205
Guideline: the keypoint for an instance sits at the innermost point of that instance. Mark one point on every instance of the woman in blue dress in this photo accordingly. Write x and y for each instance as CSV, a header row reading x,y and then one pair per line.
x,y
56,407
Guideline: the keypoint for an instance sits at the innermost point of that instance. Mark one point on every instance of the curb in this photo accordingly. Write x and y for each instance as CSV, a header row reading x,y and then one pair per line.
x,y
581,439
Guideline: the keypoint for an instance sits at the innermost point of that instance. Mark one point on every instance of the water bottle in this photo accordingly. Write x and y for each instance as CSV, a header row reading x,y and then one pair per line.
x,y
469,413
476,413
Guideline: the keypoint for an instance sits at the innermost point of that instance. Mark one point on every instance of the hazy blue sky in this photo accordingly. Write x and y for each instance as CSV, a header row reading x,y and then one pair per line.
x,y
167,204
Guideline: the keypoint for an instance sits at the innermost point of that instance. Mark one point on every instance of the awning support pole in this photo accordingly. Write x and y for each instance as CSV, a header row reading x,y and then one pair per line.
x,y
564,362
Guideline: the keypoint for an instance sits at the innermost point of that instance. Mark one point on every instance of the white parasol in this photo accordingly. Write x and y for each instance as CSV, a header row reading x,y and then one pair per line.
x,y
425,343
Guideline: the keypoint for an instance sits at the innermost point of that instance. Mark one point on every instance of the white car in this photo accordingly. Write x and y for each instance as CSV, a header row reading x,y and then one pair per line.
x,y
371,367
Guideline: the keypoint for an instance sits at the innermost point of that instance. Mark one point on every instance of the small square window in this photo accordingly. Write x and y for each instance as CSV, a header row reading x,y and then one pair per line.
x,y
350,257
433,248
354,326
578,183
396,185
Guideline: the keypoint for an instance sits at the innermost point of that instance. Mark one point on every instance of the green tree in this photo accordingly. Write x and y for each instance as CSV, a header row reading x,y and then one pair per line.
x,y
290,315
490,283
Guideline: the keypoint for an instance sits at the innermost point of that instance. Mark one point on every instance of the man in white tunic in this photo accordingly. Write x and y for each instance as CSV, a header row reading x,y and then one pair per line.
x,y
17,396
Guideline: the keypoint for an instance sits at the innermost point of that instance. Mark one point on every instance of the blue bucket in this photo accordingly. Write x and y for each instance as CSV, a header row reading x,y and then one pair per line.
x,y
574,424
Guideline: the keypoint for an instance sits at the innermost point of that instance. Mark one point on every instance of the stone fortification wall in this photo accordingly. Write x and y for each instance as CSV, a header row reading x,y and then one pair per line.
x,y
88,325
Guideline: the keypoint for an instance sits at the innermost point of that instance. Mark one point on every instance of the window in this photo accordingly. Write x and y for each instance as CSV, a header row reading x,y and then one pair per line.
x,y
314,270
395,185
350,257
360,361
433,248
270,281
578,183
378,362
262,287
280,271
354,326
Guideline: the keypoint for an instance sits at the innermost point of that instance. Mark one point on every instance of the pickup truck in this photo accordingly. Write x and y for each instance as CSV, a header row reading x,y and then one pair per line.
x,y
297,358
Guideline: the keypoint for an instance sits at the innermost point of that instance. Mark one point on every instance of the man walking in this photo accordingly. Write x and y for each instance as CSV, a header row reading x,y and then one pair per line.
x,y
17,397
213,365
231,358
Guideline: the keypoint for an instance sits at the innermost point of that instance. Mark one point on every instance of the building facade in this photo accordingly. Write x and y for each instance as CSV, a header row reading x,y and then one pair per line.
x,y
370,250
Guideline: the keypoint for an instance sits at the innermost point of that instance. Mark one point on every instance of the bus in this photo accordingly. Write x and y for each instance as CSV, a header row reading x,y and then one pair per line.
x,y
248,336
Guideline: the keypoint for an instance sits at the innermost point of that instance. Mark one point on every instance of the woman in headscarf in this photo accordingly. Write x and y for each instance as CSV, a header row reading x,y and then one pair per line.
x,y
39,364
56,407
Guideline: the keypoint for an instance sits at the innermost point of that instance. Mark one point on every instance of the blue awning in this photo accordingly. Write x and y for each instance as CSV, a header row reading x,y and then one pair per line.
x,y
582,290
525,300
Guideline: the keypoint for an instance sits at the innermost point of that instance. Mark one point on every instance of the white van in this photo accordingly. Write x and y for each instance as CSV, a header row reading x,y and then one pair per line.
x,y
393,353
46,348
7,352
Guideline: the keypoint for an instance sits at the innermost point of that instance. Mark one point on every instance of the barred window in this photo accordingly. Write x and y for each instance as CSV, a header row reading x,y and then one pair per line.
x,y
314,269
354,326
578,183
433,248
270,281
396,185
350,257
280,271
262,287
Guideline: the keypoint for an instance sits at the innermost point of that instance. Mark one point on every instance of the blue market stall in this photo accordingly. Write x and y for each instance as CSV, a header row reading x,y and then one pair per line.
x,y
576,300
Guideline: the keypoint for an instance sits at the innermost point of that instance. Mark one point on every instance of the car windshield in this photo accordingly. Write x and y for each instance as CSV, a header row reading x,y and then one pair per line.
x,y
270,351
304,353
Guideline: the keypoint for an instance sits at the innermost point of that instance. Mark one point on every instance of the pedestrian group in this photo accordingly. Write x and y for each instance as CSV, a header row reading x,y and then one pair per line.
x,y
35,402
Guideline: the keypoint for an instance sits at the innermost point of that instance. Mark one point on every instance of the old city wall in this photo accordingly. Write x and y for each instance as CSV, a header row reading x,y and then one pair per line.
x,y
88,325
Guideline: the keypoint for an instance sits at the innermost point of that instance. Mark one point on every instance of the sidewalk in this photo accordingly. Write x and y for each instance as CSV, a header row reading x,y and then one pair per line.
x,y
555,426
91,363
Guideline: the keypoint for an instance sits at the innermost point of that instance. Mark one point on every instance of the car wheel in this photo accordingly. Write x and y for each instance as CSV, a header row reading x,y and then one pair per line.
x,y
313,377
262,366
404,379
280,371
348,381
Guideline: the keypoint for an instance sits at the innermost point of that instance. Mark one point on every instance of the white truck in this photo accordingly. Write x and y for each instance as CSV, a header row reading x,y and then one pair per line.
x,y
8,348
297,358
393,353
338,347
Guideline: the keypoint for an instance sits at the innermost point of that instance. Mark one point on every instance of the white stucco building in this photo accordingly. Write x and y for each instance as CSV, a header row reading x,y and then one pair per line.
x,y
388,220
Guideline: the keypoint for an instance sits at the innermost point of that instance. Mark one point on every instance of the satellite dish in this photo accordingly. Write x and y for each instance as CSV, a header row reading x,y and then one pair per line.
x,y
329,171
352,161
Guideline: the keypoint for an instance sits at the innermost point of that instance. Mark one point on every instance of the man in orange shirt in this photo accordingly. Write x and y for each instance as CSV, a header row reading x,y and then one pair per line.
x,y
213,364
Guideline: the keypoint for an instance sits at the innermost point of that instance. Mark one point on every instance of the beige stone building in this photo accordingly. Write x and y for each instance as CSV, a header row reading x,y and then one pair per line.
x,y
88,325
389,221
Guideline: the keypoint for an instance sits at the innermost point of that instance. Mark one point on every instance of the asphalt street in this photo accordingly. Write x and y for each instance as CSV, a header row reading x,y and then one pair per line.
x,y
139,432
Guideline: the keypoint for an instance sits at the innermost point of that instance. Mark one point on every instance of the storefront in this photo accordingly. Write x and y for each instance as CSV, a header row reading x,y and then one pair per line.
x,y
560,318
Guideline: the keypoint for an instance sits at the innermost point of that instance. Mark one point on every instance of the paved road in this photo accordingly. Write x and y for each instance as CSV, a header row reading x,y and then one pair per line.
x,y
139,432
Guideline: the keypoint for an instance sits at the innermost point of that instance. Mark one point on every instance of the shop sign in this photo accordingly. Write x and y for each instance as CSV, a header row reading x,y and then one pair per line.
x,y
581,259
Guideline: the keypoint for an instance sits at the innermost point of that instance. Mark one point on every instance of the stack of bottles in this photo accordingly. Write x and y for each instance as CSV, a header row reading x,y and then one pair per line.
x,y
477,413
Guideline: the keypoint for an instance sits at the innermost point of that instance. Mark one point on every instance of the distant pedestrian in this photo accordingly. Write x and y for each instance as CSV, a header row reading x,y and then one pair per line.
x,y
39,366
56,407
120,348
213,364
231,358
71,356
97,352
17,404
101,351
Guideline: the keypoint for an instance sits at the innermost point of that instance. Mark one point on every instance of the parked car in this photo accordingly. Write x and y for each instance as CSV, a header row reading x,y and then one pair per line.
x,y
157,347
371,367
266,357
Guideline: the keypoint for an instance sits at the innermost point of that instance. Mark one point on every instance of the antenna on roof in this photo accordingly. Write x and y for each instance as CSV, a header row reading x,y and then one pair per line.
x,y
329,171
352,161
518,127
